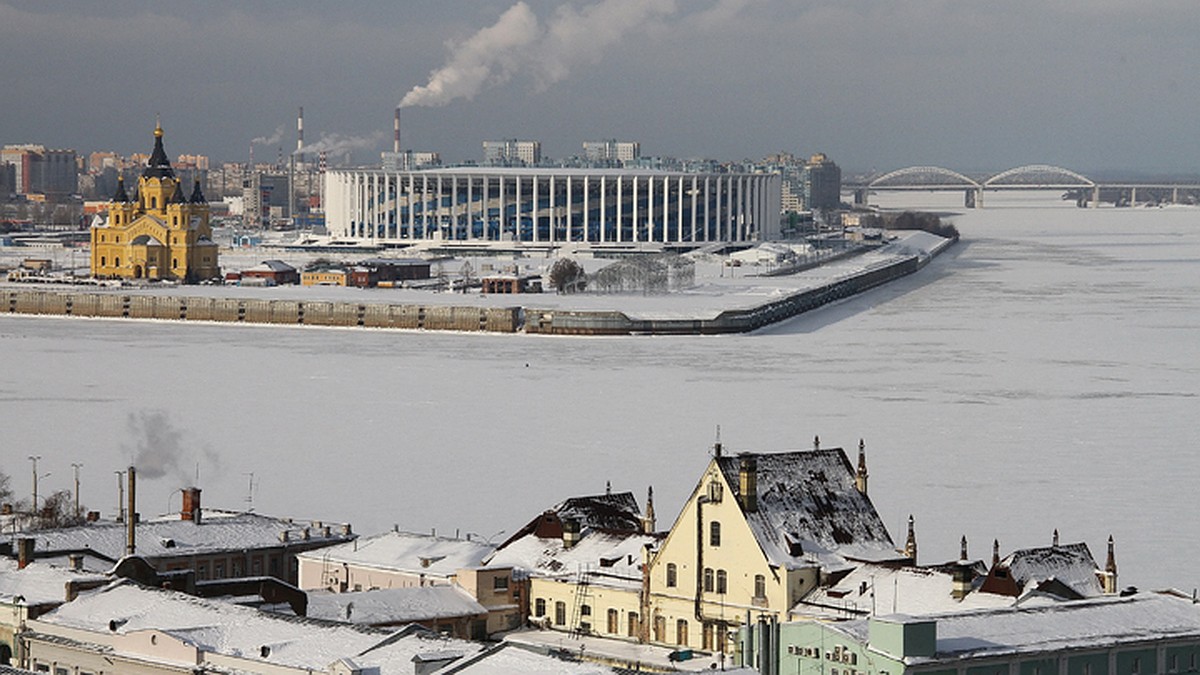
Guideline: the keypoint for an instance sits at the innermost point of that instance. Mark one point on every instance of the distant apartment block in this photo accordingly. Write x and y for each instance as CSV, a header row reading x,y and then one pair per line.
x,y
822,183
408,160
611,152
38,170
512,152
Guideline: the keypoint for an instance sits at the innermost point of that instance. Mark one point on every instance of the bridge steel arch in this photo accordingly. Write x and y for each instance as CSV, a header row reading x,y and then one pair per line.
x,y
1074,179
959,180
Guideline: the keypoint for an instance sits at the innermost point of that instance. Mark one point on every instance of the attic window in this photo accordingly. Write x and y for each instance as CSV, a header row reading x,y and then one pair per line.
x,y
609,562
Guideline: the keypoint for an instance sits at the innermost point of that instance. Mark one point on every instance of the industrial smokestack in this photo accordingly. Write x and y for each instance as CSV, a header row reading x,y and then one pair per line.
x,y
300,131
131,513
396,133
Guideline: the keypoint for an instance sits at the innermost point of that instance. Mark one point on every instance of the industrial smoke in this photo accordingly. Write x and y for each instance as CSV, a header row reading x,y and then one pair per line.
x,y
518,42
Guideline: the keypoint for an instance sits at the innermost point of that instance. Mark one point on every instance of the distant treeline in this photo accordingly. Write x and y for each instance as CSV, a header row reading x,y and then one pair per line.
x,y
911,220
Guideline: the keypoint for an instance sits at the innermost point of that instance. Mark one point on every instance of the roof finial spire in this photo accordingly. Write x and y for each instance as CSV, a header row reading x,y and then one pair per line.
x,y
963,553
860,478
717,447
816,442
910,544
1054,542
158,132
995,552
1110,569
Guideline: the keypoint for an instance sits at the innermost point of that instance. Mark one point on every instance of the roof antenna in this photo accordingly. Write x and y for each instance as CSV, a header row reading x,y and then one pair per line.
x,y
717,446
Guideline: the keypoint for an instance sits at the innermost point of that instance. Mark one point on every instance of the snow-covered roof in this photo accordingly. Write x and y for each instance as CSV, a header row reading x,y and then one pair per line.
x,y
1070,564
39,583
1093,623
391,606
809,509
425,554
171,536
888,589
607,557
124,608
508,657
276,266
609,546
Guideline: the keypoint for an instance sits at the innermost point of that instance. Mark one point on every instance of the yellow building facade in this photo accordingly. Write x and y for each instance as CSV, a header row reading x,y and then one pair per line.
x,y
158,234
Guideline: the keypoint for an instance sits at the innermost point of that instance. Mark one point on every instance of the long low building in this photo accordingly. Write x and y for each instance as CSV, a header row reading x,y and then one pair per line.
x,y
552,205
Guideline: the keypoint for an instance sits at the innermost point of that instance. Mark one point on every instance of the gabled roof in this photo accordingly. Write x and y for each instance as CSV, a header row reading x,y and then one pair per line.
x,y
271,266
889,589
407,552
609,545
1068,570
808,507
40,583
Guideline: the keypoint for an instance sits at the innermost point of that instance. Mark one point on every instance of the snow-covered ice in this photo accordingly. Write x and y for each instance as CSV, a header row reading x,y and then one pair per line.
x,y
1042,374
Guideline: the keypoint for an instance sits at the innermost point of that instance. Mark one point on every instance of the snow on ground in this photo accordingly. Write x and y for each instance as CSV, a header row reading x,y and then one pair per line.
x,y
1042,374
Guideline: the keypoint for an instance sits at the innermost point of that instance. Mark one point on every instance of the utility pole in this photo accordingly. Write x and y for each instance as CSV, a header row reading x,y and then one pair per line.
x,y
75,466
34,459
120,496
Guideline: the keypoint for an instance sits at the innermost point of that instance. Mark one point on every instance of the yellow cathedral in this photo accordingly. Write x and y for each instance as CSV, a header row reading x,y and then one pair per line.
x,y
158,234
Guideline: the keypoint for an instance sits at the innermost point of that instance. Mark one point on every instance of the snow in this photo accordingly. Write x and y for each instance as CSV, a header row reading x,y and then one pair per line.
x,y
511,658
1056,627
621,553
1071,564
392,606
809,498
39,583
237,631
429,555
1041,374
170,536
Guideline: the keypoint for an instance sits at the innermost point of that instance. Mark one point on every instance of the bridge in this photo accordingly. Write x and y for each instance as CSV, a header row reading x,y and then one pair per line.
x,y
1086,191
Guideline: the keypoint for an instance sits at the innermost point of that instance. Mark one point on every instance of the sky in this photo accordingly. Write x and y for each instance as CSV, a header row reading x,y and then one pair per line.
x,y
1091,85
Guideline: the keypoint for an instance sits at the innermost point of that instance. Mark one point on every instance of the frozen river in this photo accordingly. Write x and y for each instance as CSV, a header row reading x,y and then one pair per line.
x,y
1043,374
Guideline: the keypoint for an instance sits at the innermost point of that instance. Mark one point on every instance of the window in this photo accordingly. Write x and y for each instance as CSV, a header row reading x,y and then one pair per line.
x,y
500,583
714,533
672,575
707,638
660,628
154,202
708,580
116,262
681,632
539,607
202,571
175,263
633,624
722,582
103,261
585,610
613,621
560,613
760,586
218,570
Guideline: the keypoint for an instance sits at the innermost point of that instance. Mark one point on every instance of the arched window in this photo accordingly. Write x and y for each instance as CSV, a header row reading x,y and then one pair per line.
x,y
714,533
672,575
760,586
708,580
613,620
722,582
154,202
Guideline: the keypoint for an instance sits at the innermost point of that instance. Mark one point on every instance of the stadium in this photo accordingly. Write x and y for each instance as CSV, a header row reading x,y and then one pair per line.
x,y
552,205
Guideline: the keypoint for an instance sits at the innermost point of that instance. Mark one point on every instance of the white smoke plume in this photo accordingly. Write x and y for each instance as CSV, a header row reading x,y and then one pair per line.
x,y
519,42
159,449
334,143
270,140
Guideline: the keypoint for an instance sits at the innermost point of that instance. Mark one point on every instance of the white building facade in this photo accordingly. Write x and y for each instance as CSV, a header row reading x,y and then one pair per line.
x,y
552,205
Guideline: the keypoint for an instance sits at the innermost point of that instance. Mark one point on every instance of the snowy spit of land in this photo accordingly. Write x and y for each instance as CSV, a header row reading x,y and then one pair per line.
x,y
1042,374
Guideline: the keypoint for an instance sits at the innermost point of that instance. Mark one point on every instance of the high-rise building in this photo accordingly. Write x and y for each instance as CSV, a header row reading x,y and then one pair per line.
x,y
512,152
265,198
611,152
38,170
822,183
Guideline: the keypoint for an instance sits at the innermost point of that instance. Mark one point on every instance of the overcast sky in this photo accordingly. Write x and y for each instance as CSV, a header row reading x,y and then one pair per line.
x,y
1091,85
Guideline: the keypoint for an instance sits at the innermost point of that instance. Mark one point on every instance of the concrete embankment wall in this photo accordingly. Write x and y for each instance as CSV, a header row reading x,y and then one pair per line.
x,y
557,322
427,317
282,312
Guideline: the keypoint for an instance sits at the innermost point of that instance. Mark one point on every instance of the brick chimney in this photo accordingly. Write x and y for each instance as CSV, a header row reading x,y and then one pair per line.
x,y
191,505
24,552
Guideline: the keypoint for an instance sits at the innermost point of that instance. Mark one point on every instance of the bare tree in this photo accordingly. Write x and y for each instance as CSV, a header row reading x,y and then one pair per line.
x,y
5,488
58,511
466,273
567,276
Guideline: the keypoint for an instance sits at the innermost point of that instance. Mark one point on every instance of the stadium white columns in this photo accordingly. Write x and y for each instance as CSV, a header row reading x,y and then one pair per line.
x,y
412,205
